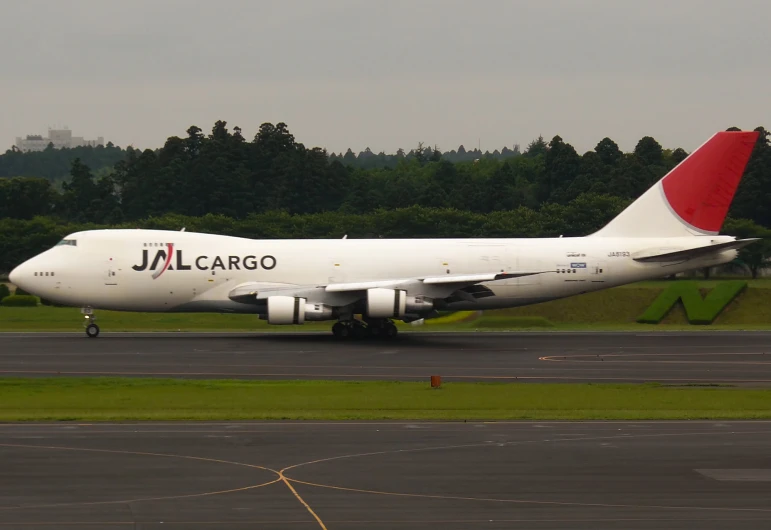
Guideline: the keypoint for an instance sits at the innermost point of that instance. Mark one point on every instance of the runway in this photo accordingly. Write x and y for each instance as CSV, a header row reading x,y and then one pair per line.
x,y
407,475
669,357
592,475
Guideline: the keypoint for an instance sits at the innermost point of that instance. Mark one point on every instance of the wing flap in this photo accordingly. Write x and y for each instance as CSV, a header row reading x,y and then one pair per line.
x,y
467,279
250,292
477,278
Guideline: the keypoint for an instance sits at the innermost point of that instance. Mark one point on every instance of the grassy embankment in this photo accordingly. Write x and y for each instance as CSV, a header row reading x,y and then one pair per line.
x,y
619,308
614,309
107,399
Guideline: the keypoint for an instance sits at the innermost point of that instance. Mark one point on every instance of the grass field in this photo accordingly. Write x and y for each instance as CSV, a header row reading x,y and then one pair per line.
x,y
113,399
614,309
45,318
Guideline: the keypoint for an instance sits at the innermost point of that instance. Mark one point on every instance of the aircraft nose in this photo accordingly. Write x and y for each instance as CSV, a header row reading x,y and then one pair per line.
x,y
19,275
15,275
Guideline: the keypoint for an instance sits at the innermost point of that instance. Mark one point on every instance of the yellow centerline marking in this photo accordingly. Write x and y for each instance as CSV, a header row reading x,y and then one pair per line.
x,y
589,357
299,498
279,478
525,501
138,453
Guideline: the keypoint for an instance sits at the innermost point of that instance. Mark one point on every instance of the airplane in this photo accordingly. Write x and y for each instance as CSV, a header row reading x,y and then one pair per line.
x,y
365,285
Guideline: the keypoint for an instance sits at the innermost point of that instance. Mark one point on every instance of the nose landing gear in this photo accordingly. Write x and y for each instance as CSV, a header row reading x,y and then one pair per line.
x,y
92,330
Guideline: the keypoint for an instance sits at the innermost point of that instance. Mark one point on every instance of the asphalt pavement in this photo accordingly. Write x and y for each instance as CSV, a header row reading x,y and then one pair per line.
x,y
407,475
670,357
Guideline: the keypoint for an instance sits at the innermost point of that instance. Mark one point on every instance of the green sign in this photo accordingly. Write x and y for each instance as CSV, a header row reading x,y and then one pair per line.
x,y
699,310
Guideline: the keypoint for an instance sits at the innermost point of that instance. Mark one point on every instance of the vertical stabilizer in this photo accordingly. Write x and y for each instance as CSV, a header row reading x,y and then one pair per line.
x,y
694,197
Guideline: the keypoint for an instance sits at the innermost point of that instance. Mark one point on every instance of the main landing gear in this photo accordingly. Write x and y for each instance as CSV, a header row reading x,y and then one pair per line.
x,y
379,328
92,330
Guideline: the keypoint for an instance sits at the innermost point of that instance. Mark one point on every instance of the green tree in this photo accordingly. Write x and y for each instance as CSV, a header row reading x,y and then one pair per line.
x,y
649,151
26,197
80,193
536,147
754,192
608,152
754,257
562,166
678,155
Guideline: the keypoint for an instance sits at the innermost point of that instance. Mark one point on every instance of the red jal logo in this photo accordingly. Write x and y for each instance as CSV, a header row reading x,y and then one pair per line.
x,y
164,258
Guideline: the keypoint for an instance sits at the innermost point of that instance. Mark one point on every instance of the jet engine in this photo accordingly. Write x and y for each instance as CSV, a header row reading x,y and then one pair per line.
x,y
294,310
394,303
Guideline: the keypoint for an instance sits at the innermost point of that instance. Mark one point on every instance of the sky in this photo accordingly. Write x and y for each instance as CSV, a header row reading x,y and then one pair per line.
x,y
387,74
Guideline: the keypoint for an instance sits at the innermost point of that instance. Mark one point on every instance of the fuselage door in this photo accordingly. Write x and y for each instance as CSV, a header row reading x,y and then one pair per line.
x,y
599,271
111,274
488,258
337,272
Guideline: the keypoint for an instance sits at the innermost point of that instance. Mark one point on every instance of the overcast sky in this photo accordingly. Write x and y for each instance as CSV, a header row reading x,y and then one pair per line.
x,y
387,74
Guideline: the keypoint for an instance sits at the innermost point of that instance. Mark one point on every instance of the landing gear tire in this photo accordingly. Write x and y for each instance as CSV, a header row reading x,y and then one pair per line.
x,y
381,328
92,331
359,331
389,331
341,331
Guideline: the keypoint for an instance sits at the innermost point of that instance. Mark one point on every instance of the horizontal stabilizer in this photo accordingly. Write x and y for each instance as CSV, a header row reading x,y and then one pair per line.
x,y
656,256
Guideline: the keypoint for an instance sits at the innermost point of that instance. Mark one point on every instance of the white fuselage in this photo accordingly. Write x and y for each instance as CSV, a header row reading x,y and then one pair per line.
x,y
119,269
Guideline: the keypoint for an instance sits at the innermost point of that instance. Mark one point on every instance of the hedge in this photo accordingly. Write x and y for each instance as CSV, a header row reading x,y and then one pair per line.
x,y
19,300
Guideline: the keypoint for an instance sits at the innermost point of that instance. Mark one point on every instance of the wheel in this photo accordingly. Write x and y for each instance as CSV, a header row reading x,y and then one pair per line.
x,y
359,331
92,330
341,331
390,330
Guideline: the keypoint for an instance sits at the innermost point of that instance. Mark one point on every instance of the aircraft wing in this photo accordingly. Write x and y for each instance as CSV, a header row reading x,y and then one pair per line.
x,y
445,279
439,286
254,292
656,255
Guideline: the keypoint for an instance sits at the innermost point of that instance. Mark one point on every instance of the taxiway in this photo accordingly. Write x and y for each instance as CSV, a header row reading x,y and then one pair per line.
x,y
410,475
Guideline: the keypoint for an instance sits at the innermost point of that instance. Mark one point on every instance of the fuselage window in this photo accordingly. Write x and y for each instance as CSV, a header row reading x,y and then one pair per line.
x,y
67,242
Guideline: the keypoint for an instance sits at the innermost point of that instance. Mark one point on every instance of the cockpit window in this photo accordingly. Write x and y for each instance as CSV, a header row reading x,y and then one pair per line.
x,y
69,242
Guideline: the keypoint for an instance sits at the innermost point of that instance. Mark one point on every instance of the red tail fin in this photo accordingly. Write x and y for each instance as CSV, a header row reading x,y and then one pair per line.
x,y
694,197
701,188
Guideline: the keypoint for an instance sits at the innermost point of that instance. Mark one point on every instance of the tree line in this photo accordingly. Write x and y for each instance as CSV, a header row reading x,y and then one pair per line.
x,y
54,164
274,186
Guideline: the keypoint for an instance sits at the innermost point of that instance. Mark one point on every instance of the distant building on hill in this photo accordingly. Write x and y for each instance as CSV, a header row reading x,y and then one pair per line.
x,y
60,138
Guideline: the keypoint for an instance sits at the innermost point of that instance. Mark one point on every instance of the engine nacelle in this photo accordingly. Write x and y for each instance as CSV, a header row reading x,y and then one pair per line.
x,y
319,312
419,304
394,303
286,310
